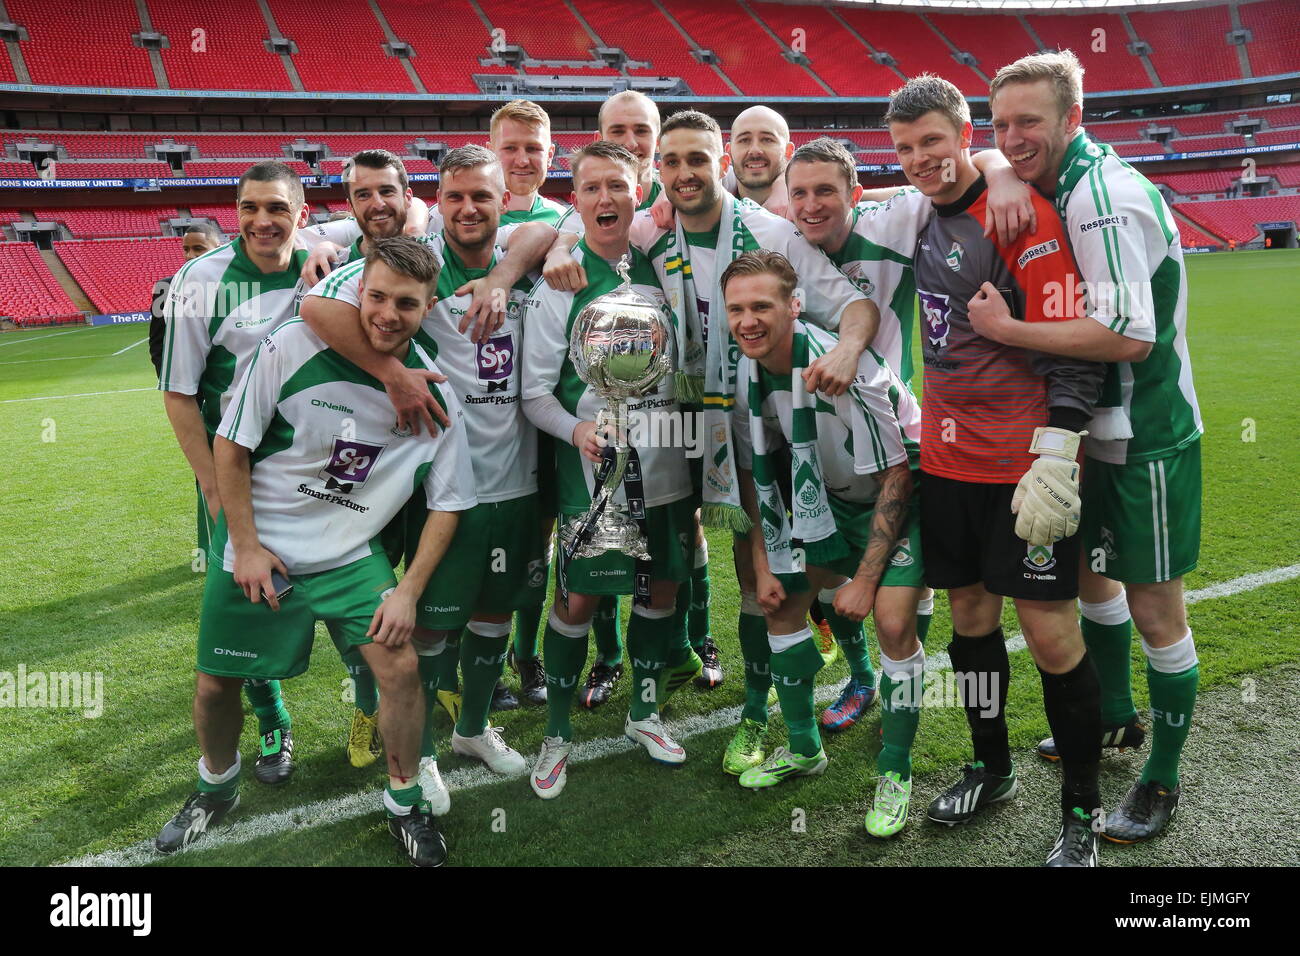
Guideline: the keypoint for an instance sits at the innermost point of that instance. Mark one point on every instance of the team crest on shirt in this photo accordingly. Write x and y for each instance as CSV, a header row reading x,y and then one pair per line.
x,y
854,273
935,307
1039,557
350,464
954,257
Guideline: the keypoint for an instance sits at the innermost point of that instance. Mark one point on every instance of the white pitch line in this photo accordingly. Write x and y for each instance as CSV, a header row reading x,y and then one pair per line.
x,y
132,345
50,398
37,338
61,358
351,805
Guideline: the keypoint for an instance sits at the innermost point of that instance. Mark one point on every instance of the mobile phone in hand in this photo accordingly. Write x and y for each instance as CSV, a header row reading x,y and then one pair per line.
x,y
283,586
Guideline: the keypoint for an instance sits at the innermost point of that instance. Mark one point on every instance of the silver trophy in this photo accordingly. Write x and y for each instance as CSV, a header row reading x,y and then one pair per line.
x,y
622,347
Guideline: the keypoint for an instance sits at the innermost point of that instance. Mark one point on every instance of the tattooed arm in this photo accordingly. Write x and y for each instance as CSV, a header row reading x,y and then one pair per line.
x,y
856,599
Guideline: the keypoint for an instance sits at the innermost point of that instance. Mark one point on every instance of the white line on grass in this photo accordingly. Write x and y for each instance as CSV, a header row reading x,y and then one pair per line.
x,y
132,345
50,398
61,358
325,812
37,338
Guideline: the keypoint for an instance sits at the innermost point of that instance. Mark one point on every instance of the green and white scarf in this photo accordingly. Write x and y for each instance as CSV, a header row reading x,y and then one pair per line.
x,y
812,537
708,372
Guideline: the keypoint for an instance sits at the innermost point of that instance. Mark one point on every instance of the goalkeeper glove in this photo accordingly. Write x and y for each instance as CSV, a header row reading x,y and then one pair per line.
x,y
1046,501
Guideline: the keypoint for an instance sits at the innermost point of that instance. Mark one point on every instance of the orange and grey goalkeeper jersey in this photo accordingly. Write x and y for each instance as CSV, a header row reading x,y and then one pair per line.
x,y
982,400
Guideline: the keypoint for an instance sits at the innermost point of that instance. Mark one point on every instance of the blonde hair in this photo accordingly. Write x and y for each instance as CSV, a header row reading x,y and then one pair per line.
x,y
637,97
1060,68
522,111
761,262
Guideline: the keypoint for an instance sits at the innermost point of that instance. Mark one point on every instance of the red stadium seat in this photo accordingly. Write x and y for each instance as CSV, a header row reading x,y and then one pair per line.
x,y
231,56
29,293
317,28
98,221
1275,31
68,47
1172,33
1239,218
448,39
118,274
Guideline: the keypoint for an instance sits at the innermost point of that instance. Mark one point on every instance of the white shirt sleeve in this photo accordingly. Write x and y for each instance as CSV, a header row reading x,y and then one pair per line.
x,y
824,290
896,222
546,340
572,223
1108,231
449,485
254,399
187,340
341,232
877,439
343,284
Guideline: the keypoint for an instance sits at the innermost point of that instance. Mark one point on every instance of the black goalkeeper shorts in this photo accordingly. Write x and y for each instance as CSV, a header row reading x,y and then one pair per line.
x,y
968,536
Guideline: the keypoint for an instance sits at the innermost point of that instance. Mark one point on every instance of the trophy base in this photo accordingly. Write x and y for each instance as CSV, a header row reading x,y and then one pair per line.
x,y
615,531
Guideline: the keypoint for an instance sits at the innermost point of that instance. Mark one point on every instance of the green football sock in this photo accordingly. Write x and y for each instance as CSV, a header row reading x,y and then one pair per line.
x,y
1110,645
365,692
607,626
449,665
482,657
699,598
223,785
679,645
430,664
406,797
752,629
924,614
852,640
648,639
268,705
900,712
527,624
793,673
1173,699
564,655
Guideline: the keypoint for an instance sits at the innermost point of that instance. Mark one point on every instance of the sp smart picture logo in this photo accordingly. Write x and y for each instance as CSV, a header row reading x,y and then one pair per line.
x,y
350,464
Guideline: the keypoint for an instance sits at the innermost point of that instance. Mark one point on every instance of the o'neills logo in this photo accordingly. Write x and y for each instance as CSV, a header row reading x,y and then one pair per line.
x,y
319,403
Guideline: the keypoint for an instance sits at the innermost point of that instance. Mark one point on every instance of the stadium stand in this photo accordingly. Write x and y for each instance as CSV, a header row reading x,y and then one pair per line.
x,y
1275,31
223,215
100,221
1200,144
1274,137
317,27
1190,237
230,145
1139,149
29,293
746,53
448,39
65,45
836,55
1172,32
238,33
80,169
118,274
1286,174
993,44
13,169
237,167
1112,69
88,145
1194,182
10,215
649,37
1239,218
544,28
915,47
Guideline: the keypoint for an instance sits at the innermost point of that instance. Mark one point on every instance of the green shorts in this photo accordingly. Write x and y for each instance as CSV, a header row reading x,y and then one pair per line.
x,y
906,568
202,521
496,562
240,639
671,531
1141,523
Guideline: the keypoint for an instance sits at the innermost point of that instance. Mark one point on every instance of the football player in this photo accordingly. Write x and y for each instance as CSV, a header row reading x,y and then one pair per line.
x,y
297,539
495,565
557,401
1142,497
993,418
848,484
219,307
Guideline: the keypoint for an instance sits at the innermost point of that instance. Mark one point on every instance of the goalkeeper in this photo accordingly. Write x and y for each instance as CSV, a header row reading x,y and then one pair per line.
x,y
1000,433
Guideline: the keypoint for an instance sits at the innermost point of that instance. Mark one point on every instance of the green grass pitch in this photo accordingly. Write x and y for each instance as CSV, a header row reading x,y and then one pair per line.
x,y
97,526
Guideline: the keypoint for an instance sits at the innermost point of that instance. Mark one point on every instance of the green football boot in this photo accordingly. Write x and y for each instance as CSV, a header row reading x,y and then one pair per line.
x,y
889,814
746,747
783,765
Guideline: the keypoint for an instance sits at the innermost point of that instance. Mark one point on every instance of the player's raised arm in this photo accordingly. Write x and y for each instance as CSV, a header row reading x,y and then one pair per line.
x,y
526,247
